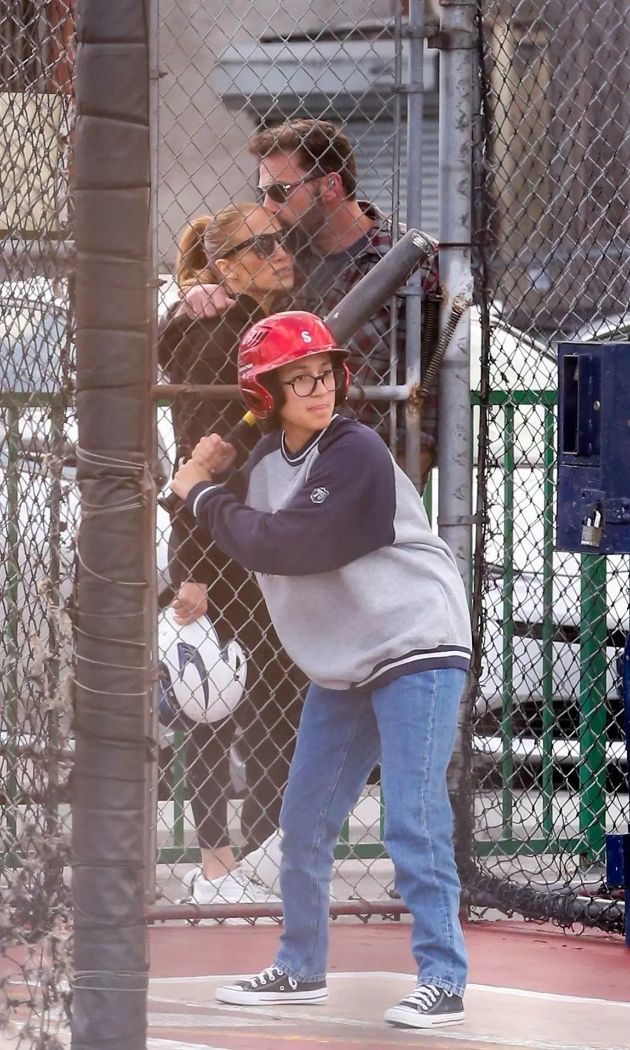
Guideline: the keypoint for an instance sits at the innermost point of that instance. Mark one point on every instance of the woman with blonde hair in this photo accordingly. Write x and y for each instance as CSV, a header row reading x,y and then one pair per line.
x,y
192,262
241,248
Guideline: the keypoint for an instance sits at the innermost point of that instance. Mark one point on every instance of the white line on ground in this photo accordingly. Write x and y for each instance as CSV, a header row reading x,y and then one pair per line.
x,y
555,997
525,993
255,1015
502,1041
176,1044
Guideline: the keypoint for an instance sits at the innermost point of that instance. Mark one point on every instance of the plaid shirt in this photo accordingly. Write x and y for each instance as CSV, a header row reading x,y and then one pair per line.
x,y
371,355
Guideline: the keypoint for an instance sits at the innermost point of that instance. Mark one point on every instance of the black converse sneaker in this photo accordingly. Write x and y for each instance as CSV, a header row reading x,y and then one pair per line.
x,y
272,986
427,1007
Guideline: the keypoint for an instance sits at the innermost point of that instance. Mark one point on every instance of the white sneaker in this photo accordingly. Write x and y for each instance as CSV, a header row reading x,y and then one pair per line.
x,y
233,888
262,865
212,891
189,877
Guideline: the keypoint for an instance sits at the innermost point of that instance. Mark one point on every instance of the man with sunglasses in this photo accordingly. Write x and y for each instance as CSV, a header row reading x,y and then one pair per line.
x,y
307,176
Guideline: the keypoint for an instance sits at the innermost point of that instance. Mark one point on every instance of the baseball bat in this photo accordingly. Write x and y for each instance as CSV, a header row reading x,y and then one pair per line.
x,y
172,502
378,285
360,304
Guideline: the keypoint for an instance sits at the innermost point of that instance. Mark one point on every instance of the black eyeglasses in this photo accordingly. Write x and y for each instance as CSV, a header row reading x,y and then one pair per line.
x,y
305,385
263,244
279,191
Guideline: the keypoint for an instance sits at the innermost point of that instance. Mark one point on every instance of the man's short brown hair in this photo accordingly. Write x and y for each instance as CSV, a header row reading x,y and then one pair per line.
x,y
316,144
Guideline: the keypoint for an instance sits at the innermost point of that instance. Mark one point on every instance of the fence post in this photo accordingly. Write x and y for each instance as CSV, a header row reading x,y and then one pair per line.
x,y
413,302
113,676
456,41
507,654
592,769
12,606
548,717
153,728
455,168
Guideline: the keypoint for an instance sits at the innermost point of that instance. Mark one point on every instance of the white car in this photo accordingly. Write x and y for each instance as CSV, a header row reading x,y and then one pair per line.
x,y
41,510
39,498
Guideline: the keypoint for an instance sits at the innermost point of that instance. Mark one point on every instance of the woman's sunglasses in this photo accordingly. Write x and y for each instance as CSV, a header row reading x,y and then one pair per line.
x,y
264,245
279,192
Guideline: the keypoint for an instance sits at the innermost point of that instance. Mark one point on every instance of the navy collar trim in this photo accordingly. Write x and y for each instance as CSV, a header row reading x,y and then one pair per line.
x,y
300,456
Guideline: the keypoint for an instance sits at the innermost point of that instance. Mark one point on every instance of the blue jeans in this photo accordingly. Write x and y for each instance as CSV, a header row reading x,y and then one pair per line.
x,y
410,726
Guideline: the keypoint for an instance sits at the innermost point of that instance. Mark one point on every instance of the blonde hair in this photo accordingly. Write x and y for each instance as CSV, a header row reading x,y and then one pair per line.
x,y
191,267
205,239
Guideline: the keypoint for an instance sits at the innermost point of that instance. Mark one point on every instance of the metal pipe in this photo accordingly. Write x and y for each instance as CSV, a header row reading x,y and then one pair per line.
x,y
626,836
20,259
231,392
592,708
164,912
11,670
151,783
457,20
485,890
397,117
455,167
507,655
563,907
53,718
547,684
413,302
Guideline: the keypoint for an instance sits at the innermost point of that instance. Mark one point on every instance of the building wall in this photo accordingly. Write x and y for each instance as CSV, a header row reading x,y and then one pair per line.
x,y
203,159
561,83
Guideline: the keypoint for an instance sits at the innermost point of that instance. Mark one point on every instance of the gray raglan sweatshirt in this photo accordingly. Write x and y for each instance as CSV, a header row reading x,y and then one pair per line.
x,y
359,589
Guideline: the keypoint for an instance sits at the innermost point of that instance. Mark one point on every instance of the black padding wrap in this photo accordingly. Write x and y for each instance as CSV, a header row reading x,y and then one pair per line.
x,y
114,374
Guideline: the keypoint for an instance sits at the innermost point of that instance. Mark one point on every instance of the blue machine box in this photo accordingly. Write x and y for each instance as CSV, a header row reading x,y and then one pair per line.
x,y
594,448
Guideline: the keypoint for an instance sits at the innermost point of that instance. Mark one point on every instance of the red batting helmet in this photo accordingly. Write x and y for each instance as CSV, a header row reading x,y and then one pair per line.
x,y
276,341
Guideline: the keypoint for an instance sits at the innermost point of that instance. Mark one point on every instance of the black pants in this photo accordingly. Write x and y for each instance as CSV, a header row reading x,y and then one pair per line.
x,y
267,722
267,718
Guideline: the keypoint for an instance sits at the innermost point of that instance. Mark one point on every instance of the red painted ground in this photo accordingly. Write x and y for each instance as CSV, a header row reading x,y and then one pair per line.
x,y
504,955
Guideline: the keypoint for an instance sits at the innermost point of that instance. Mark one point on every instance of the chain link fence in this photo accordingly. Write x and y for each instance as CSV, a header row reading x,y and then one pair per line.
x,y
543,740
228,78
545,736
552,256
39,504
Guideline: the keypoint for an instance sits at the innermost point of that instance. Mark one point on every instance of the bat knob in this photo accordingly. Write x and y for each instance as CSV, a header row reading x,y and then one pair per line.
x,y
170,503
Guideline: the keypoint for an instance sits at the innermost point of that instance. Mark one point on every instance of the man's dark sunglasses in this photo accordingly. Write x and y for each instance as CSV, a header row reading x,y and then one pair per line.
x,y
279,191
263,244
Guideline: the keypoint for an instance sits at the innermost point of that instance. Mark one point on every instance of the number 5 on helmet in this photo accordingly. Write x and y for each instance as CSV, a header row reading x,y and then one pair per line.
x,y
279,340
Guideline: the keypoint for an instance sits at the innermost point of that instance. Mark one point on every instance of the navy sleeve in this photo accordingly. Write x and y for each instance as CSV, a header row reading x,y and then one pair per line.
x,y
344,511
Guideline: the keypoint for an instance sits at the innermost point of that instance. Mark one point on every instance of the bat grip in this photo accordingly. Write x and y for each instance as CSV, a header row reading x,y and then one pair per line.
x,y
172,503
